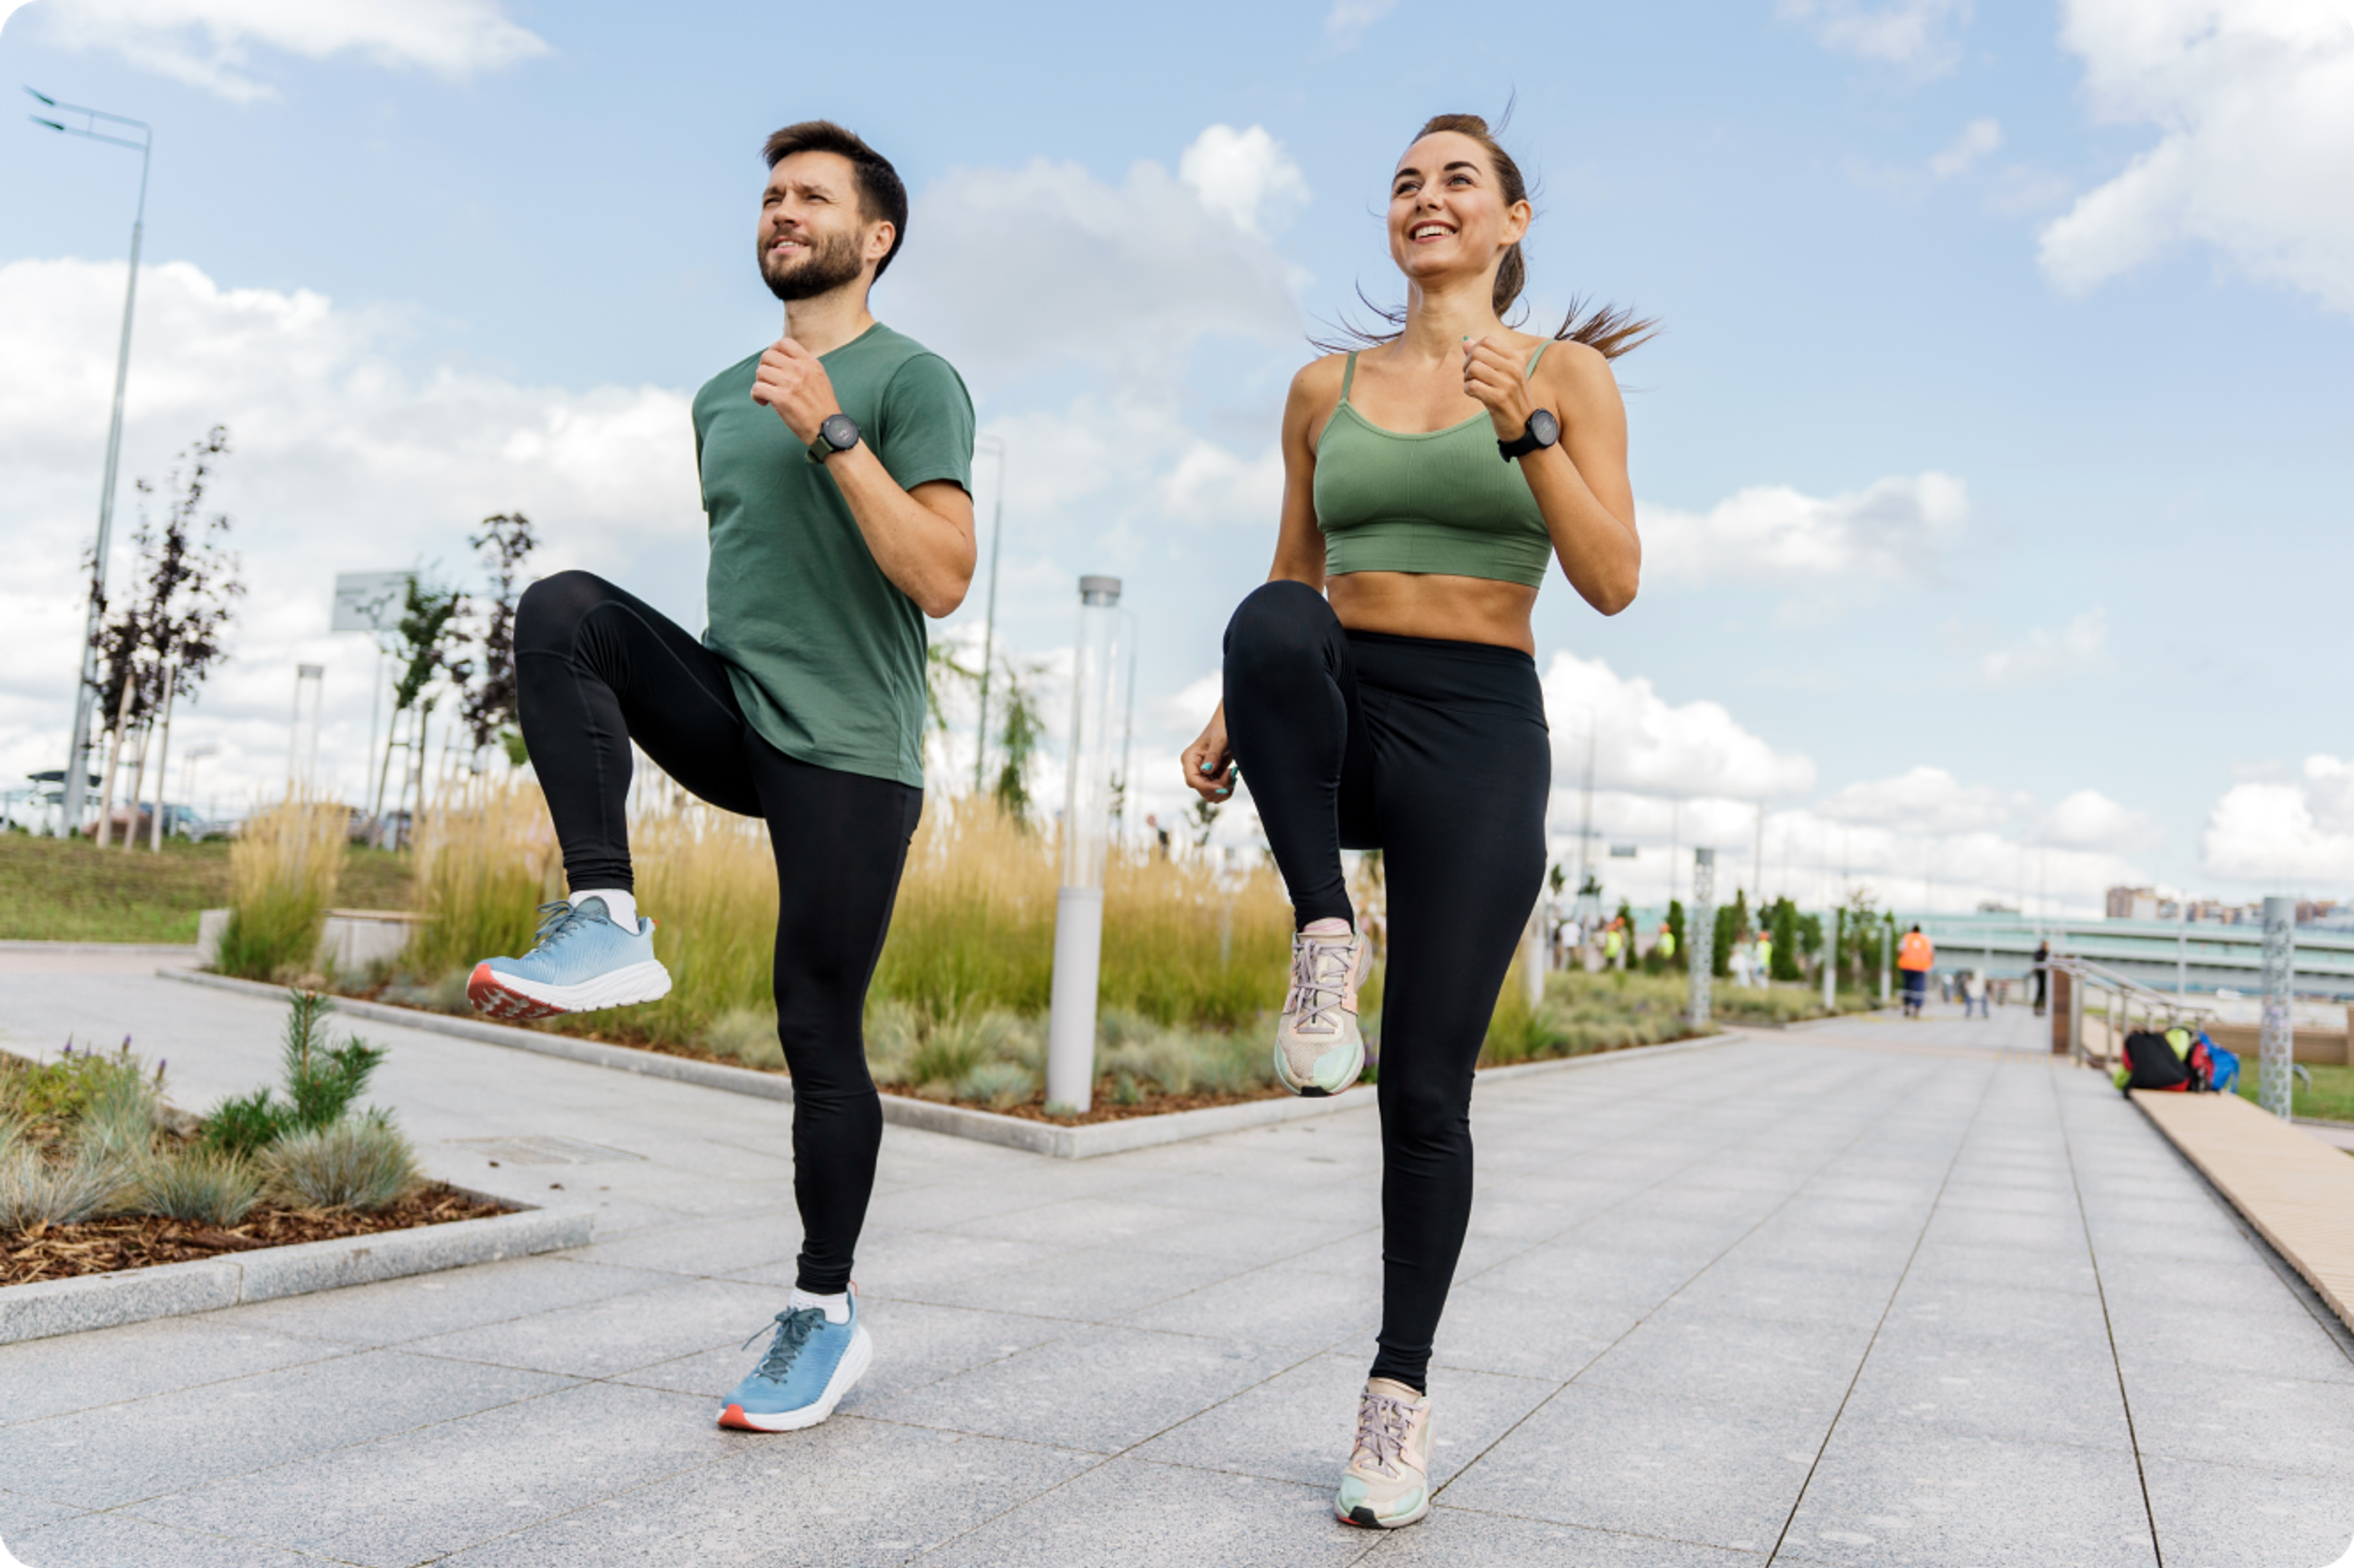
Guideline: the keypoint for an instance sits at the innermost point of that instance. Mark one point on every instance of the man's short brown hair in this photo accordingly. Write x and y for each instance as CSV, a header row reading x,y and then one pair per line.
x,y
881,194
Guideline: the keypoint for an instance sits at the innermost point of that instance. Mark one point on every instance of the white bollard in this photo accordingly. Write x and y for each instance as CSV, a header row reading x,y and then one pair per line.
x,y
2276,1040
1086,833
1831,965
1700,935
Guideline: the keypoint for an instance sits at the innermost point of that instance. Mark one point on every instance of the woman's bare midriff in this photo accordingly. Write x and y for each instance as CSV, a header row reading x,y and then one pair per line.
x,y
1450,608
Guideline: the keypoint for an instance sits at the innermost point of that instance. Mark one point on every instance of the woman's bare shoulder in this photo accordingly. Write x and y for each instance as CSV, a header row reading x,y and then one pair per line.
x,y
1580,370
1320,378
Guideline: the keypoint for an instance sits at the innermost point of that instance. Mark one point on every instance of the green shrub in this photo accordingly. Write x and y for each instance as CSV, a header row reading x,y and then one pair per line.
x,y
200,1184
319,1084
999,1085
60,1091
118,1118
362,1163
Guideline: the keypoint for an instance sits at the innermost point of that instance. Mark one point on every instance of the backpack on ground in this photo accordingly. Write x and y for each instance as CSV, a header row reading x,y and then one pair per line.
x,y
2152,1062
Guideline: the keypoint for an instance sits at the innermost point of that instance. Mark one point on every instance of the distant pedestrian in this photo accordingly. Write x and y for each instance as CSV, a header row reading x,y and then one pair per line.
x,y
1160,834
1764,960
2042,977
1915,955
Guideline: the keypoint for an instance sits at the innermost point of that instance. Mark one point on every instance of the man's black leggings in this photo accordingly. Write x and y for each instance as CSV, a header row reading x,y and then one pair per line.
x,y
596,669
1437,754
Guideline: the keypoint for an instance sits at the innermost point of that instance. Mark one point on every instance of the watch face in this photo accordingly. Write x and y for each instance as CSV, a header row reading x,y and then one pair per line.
x,y
839,430
1544,427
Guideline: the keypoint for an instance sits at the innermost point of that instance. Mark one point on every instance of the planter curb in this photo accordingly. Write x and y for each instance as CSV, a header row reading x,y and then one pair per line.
x,y
52,1307
901,1110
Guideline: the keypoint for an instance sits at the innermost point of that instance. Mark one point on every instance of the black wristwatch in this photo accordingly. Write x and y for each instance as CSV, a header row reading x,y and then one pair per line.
x,y
838,434
1543,430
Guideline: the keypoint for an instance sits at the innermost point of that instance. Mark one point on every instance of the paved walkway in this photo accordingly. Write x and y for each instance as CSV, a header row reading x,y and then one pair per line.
x,y
1872,1294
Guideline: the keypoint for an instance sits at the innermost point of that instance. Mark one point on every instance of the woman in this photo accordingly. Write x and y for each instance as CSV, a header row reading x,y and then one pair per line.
x,y
1381,690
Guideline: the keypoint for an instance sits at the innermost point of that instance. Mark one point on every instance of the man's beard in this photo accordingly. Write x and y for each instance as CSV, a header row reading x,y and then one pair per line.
x,y
834,261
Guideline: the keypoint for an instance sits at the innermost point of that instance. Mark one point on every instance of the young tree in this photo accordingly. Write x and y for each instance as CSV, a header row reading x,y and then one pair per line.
x,y
1784,924
163,644
492,711
425,641
1025,731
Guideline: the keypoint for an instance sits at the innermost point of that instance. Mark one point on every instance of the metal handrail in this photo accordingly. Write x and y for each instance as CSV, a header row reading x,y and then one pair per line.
x,y
2130,994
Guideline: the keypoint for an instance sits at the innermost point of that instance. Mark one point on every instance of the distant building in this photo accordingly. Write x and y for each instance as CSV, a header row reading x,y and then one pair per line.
x,y
2133,904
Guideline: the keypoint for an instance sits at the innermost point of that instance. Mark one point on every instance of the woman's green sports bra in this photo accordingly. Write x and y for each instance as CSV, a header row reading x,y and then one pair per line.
x,y
1436,500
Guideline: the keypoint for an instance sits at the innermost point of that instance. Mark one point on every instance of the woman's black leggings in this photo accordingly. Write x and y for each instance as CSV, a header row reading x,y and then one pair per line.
x,y
1436,754
596,669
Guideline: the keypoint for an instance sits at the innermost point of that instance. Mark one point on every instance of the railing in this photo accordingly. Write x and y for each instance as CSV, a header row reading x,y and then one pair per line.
x,y
2129,996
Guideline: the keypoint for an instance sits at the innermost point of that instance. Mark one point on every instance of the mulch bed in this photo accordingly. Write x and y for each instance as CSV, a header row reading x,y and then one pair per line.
x,y
104,1247
1106,1108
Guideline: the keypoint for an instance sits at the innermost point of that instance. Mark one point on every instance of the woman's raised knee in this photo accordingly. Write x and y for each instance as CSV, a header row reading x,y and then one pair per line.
x,y
552,608
1279,625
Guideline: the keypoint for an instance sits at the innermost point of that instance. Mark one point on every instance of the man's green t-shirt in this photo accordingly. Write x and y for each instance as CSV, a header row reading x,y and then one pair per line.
x,y
826,656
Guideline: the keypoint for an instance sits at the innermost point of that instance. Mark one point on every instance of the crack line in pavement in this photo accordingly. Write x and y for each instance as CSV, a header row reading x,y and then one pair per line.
x,y
1870,1345
2108,1328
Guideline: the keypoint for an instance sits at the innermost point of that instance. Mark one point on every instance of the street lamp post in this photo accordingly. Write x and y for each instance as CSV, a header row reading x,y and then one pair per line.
x,y
77,760
988,616
1086,822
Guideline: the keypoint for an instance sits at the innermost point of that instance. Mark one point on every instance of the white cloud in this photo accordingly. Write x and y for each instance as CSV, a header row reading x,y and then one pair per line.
x,y
1919,35
2089,820
1346,21
2045,657
339,463
2254,101
1923,800
1211,485
1888,532
1979,138
2291,836
1243,177
1646,744
211,43
1124,279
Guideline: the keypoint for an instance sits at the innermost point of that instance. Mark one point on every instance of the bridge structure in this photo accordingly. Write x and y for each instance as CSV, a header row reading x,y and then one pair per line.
x,y
2200,956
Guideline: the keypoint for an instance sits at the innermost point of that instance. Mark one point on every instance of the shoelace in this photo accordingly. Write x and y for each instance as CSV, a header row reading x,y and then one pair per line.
x,y
1319,969
1382,1426
556,921
794,1328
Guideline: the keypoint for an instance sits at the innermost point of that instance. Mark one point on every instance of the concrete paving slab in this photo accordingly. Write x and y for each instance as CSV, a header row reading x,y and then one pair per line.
x,y
424,1494
113,1539
1140,1384
851,1491
148,1448
1297,1427
617,1334
2224,1516
1276,1305
1094,1285
1516,1334
1882,1497
1715,1474
80,1371
2285,1425
1734,1359
1129,1514
21,1515
1458,1538
398,1310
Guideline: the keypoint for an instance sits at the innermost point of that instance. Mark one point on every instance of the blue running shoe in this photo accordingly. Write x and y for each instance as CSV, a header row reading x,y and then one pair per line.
x,y
809,1366
581,962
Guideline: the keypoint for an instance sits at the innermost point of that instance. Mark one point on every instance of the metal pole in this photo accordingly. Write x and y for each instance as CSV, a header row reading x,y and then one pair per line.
x,y
1087,812
1830,961
78,749
989,620
1700,935
1128,726
2276,1042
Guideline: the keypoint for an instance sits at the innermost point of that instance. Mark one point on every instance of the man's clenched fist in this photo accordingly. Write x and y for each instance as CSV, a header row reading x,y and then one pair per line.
x,y
792,382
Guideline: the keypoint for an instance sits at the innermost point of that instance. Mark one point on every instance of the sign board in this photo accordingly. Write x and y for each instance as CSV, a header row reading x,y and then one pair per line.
x,y
1622,851
368,602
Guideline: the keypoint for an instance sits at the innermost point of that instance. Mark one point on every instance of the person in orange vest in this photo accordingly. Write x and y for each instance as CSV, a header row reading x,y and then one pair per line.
x,y
1915,955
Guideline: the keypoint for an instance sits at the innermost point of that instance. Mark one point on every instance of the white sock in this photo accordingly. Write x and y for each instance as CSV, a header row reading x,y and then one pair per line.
x,y
835,1307
622,907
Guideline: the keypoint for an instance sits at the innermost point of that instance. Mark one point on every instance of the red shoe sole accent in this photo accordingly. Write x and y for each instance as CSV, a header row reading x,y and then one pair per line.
x,y
733,1416
494,1001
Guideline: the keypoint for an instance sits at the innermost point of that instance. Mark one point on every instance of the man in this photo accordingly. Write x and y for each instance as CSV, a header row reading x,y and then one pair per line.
x,y
2042,971
836,465
1915,955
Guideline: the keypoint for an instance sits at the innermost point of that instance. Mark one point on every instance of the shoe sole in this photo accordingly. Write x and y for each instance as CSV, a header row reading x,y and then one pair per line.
x,y
1365,1518
512,999
852,1367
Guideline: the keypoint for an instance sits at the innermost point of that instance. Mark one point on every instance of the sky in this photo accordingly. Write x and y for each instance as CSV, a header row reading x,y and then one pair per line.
x,y
1993,466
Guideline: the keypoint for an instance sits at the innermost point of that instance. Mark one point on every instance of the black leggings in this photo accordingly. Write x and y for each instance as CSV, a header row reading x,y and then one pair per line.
x,y
596,669
1437,754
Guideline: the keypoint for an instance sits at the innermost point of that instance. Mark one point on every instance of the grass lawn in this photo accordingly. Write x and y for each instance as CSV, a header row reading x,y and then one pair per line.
x,y
68,890
2331,1098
